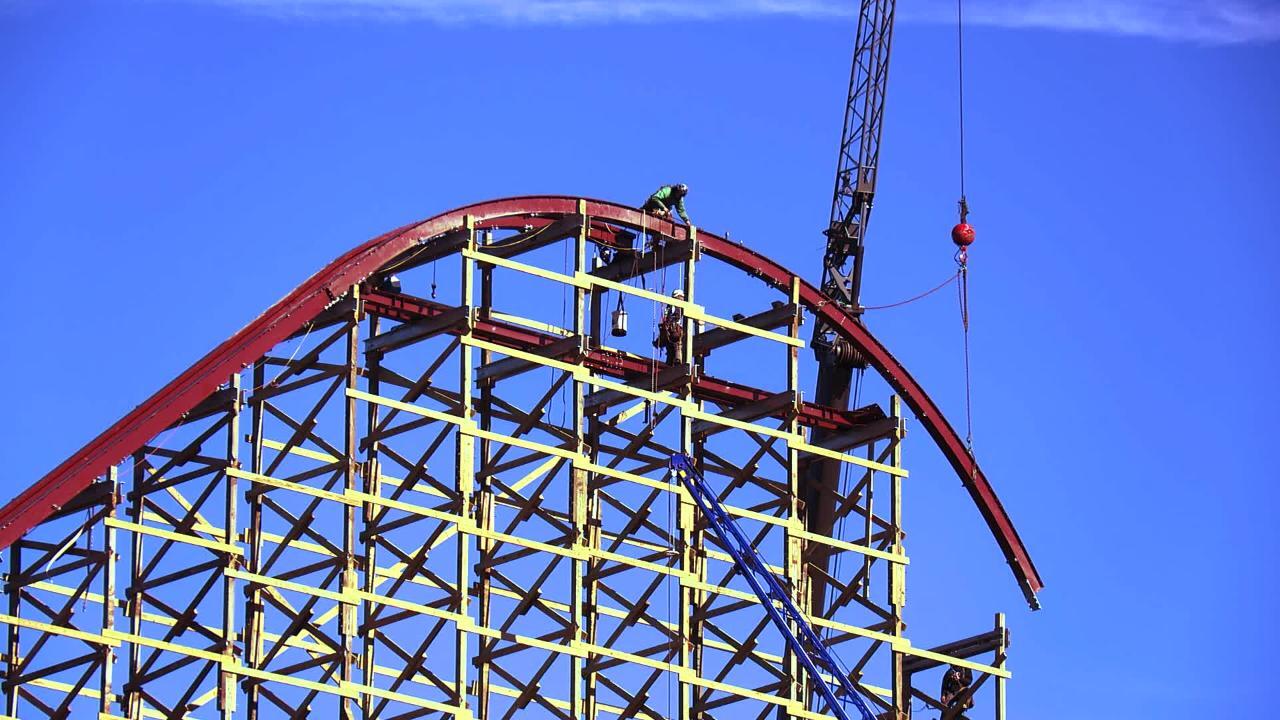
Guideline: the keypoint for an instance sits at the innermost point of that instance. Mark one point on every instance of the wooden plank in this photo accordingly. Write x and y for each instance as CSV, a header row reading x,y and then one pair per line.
x,y
852,547
551,275
174,536
853,459
407,407
257,479
58,630
779,315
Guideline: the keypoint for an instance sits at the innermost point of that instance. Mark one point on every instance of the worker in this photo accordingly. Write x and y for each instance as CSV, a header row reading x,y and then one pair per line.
x,y
671,329
661,201
954,685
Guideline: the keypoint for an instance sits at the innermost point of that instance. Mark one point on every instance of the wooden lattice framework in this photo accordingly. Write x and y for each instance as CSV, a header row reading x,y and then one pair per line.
x,y
400,513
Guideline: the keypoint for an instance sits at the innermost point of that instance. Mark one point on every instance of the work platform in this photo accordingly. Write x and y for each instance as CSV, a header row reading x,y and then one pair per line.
x,y
459,507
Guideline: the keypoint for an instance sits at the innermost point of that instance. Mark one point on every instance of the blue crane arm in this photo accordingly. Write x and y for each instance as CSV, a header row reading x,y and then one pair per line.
x,y
807,645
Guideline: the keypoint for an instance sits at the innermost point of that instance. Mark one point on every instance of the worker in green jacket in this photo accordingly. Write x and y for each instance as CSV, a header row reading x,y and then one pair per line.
x,y
661,201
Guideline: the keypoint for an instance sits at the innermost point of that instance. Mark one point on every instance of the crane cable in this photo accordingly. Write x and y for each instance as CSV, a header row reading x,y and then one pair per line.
x,y
964,207
962,255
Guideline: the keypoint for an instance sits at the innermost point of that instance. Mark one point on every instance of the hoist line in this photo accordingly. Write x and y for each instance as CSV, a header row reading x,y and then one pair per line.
x,y
962,255
960,73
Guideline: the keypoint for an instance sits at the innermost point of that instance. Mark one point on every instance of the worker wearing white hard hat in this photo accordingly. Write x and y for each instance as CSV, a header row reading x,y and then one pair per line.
x,y
671,329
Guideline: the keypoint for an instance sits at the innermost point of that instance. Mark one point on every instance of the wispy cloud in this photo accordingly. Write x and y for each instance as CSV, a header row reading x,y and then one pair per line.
x,y
1203,21
562,12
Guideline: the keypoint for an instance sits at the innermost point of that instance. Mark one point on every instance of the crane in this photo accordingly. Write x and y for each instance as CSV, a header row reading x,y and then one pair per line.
x,y
855,186
814,655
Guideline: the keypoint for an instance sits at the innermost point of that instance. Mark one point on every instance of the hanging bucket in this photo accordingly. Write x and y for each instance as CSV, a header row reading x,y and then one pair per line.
x,y
620,319
620,322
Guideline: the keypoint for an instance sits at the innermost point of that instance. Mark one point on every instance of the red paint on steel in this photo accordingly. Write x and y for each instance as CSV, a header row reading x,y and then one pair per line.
x,y
407,308
948,440
310,298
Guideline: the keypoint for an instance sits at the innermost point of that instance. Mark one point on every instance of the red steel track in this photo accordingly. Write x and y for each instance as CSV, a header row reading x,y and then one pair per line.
x,y
322,289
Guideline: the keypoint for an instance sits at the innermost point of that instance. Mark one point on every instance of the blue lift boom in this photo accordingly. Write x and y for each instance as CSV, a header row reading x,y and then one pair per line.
x,y
808,646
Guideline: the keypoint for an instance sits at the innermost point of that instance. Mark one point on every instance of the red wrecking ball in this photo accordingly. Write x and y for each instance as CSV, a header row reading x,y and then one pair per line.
x,y
962,235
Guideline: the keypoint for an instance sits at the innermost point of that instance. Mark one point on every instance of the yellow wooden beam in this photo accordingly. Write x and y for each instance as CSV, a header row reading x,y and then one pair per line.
x,y
522,355
338,597
407,407
358,689
334,497
356,497
852,547
144,641
531,324
174,536
852,459
484,257
299,451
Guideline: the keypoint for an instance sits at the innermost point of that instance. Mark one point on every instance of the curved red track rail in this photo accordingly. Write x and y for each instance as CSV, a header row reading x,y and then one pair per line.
x,y
311,297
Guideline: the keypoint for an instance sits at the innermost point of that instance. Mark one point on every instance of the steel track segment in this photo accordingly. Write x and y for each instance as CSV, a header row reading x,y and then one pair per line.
x,y
326,287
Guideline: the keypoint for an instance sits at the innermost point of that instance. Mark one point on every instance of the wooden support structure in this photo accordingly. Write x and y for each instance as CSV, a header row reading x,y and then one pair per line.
x,y
452,509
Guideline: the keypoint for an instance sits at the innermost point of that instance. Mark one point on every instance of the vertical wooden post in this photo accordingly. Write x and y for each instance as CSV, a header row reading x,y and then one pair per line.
x,y
485,510
133,697
1002,652
798,690
465,470
109,604
579,493
686,538
897,571
13,587
347,615
254,620
868,521
373,486
230,536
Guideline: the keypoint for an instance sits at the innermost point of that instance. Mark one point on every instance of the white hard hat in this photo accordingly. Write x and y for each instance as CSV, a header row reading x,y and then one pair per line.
x,y
677,294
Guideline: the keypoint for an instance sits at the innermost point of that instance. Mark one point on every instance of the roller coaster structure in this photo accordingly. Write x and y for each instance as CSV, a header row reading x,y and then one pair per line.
x,y
362,504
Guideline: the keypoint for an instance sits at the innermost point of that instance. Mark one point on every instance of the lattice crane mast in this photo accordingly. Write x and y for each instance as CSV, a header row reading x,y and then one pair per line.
x,y
801,638
855,184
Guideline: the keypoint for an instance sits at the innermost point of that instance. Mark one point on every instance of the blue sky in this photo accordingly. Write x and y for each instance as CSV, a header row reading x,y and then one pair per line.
x,y
171,168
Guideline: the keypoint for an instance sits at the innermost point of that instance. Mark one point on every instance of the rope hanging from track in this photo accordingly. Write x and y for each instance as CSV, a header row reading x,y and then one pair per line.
x,y
950,279
963,290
